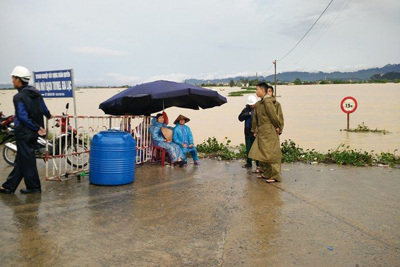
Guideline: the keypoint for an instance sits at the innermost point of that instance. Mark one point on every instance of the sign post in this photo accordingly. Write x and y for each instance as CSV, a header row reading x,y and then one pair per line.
x,y
56,84
73,94
348,105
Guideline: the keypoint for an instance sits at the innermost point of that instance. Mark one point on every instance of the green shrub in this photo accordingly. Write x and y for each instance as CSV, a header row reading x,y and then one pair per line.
x,y
214,149
291,152
211,145
350,157
387,158
240,93
364,128
242,151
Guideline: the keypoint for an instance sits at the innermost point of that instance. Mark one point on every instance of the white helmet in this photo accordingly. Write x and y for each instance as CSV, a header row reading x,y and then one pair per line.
x,y
22,73
251,100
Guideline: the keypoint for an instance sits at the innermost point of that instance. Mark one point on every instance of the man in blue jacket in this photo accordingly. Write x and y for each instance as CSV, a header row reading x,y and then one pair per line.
x,y
184,138
247,115
28,124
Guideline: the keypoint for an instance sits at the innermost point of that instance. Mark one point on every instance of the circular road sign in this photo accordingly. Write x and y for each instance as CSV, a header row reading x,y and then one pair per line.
x,y
348,104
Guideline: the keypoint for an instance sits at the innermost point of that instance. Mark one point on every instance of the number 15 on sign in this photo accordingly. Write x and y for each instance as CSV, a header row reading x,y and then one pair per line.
x,y
348,105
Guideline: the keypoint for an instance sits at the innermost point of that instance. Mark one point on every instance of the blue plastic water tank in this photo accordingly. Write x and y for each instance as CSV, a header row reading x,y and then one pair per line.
x,y
112,158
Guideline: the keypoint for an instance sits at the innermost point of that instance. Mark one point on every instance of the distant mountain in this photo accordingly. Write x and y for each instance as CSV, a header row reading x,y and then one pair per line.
x,y
390,76
360,75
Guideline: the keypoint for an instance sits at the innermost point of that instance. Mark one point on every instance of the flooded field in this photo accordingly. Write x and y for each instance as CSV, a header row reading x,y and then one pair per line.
x,y
313,118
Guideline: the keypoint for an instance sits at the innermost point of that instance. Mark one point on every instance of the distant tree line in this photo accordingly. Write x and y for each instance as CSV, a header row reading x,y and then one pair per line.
x,y
242,82
245,82
98,86
387,77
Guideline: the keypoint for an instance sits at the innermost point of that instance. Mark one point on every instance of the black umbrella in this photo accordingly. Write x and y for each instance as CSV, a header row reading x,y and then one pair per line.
x,y
152,97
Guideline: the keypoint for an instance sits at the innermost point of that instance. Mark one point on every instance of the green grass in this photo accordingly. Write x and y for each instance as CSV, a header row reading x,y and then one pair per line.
x,y
362,128
342,155
242,92
291,152
214,149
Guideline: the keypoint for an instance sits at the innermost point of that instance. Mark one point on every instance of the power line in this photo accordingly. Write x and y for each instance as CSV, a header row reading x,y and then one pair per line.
x,y
306,32
269,68
317,38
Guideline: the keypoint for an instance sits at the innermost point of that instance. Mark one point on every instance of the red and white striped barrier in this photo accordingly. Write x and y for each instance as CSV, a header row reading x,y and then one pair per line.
x,y
68,149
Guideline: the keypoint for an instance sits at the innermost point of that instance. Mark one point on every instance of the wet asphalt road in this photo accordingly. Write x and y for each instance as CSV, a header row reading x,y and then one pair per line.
x,y
215,214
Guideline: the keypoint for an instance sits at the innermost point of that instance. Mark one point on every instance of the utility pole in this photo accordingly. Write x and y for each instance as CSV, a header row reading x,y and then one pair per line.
x,y
256,78
274,62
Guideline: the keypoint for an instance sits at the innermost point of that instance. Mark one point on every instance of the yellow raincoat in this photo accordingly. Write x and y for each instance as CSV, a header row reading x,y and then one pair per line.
x,y
279,113
266,147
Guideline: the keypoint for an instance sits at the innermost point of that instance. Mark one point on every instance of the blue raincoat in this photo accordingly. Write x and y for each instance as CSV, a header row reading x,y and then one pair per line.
x,y
173,150
183,135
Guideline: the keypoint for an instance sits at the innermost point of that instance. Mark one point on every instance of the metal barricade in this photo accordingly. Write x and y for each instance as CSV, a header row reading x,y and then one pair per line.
x,y
68,146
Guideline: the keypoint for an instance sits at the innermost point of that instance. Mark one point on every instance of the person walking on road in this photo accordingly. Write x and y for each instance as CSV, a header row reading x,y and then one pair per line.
x,y
266,126
28,124
247,115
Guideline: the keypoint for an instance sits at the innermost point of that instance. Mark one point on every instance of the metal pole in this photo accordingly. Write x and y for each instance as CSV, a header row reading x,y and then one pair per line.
x,y
275,75
47,148
348,121
73,95
34,82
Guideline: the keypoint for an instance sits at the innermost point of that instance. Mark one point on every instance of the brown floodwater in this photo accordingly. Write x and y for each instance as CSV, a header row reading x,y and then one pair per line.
x,y
313,118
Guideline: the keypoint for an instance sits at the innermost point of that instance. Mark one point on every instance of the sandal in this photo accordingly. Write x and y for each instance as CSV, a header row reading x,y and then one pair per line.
x,y
271,181
262,177
258,170
246,166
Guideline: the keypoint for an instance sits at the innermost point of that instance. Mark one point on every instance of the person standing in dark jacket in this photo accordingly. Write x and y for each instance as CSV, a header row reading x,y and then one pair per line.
x,y
247,115
28,124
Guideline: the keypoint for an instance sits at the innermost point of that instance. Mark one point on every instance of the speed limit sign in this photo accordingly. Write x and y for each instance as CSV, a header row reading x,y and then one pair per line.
x,y
348,104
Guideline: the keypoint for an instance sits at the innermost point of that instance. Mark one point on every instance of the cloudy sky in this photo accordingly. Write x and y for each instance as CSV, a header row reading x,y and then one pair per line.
x,y
116,42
